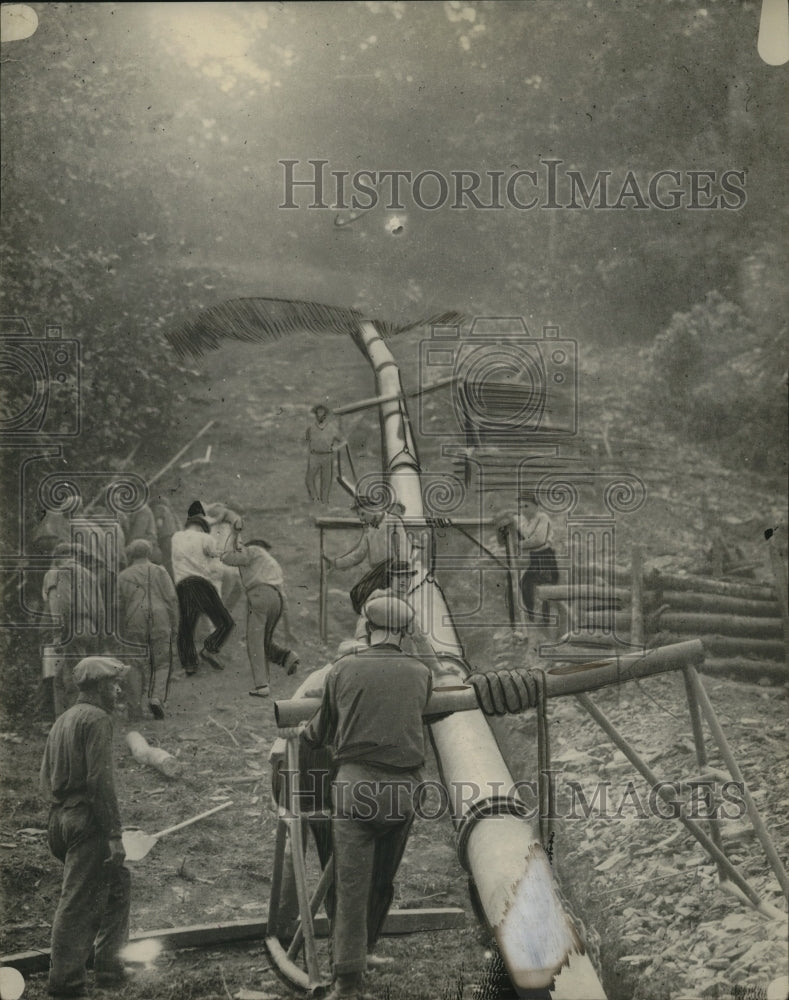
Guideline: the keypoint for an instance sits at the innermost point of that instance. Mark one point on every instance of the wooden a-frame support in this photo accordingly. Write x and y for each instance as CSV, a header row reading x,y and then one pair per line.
x,y
700,708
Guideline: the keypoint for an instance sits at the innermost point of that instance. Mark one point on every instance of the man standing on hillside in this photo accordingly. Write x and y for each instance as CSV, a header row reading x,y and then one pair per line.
x,y
371,716
197,571
84,833
323,441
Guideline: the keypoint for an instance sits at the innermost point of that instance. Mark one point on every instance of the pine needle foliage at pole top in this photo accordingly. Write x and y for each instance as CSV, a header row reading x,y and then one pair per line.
x,y
265,320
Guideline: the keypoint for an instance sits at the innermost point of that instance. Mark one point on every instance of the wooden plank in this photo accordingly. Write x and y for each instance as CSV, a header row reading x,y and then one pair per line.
x,y
411,921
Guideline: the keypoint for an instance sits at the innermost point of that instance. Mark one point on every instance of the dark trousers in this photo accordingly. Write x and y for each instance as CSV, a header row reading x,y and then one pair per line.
x,y
196,597
93,912
542,569
370,830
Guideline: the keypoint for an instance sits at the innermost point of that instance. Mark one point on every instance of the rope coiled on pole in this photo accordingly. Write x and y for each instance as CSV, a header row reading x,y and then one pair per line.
x,y
502,692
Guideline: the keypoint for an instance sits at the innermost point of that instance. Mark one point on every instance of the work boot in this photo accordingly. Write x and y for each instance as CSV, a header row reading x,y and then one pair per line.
x,y
156,707
115,975
348,987
210,659
291,663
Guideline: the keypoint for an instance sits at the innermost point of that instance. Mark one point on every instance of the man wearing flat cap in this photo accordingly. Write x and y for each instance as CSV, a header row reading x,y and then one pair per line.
x,y
371,717
84,832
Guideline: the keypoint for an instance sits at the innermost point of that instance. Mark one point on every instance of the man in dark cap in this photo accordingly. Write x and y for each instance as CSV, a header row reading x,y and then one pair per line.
x,y
323,441
371,716
84,833
148,607
197,571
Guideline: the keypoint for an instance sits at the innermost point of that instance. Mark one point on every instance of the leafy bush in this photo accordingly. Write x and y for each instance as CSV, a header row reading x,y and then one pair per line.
x,y
20,675
718,378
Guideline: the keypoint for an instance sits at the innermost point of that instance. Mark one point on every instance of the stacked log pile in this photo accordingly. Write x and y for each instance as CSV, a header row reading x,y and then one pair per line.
x,y
740,623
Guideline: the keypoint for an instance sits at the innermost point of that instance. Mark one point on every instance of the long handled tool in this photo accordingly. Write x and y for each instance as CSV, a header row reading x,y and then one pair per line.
x,y
137,843
258,690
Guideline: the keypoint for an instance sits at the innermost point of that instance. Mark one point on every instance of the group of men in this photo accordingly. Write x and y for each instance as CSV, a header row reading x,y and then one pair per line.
x,y
167,581
373,699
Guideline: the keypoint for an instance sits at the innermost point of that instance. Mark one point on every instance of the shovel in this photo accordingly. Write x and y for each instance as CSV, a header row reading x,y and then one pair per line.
x,y
137,843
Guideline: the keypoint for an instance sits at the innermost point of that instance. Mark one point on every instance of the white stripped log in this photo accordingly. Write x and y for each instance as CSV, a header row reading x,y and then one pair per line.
x,y
510,869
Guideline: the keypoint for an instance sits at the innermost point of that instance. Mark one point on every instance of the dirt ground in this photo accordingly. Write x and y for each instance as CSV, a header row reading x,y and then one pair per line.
x,y
645,893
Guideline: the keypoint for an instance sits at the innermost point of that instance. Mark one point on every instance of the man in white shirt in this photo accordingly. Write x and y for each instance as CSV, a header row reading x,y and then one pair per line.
x,y
197,571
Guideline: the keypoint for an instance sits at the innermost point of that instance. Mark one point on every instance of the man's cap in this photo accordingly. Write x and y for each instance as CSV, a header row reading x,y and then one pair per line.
x,y
139,548
319,408
93,669
62,550
527,496
195,509
401,568
362,501
388,613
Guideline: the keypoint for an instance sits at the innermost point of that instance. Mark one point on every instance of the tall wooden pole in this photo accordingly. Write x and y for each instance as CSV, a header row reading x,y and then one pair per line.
x,y
500,849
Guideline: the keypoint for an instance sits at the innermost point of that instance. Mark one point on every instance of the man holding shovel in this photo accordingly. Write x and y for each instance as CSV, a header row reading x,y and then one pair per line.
x,y
84,833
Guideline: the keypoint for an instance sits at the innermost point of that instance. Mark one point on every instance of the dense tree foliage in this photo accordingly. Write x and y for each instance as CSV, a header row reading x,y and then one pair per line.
x,y
142,172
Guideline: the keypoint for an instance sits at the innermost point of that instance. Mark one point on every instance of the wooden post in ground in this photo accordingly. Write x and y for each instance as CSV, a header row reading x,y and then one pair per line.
x,y
778,566
323,589
517,614
637,596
